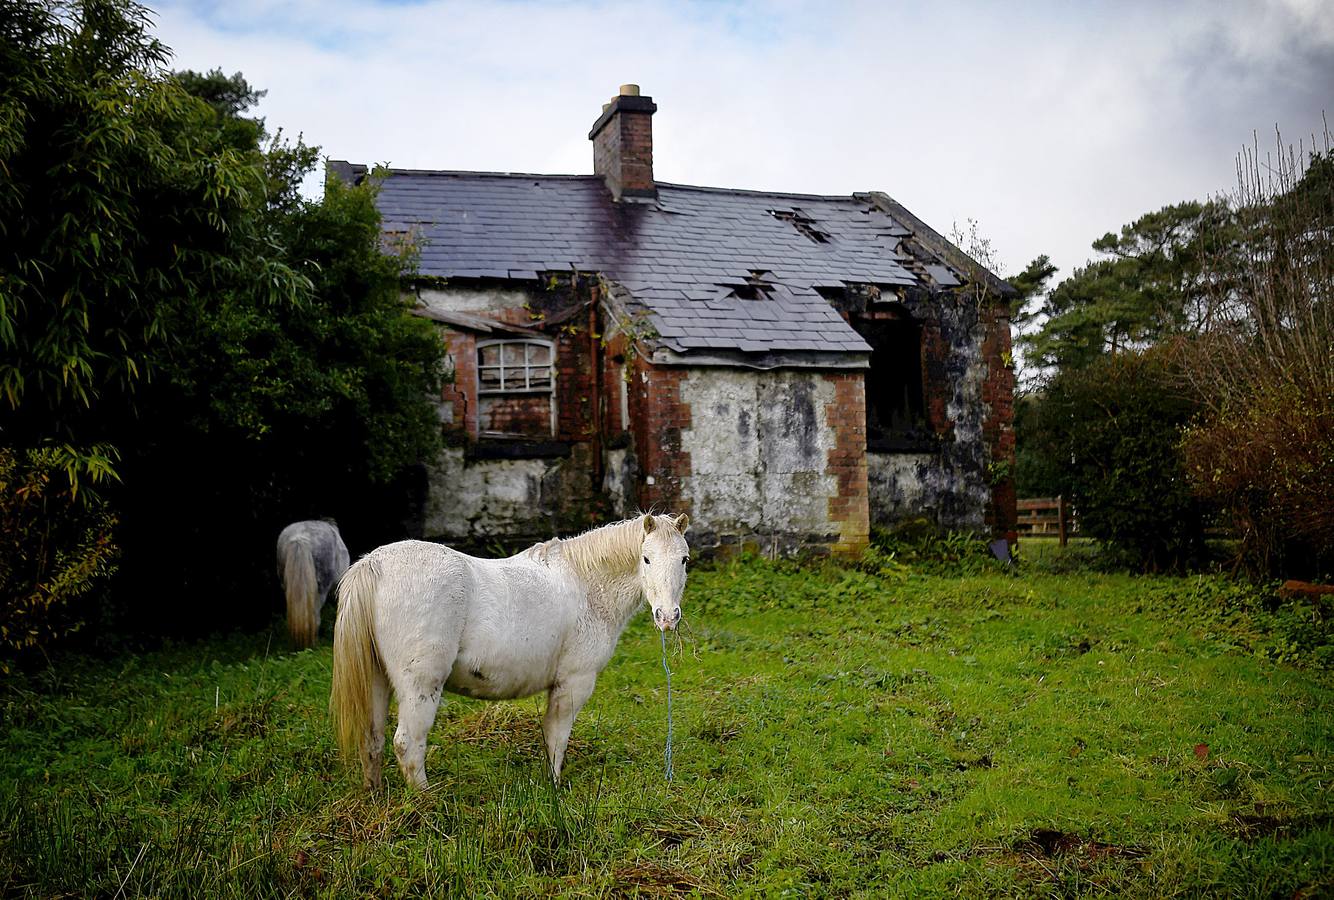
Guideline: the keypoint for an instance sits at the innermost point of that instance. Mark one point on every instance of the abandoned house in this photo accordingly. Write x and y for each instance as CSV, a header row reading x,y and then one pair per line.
x,y
788,369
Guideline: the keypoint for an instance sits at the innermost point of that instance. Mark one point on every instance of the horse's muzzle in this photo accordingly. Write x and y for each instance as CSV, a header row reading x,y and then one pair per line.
x,y
666,620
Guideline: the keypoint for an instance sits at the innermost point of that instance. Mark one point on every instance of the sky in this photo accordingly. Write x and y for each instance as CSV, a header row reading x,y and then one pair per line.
x,y
1047,124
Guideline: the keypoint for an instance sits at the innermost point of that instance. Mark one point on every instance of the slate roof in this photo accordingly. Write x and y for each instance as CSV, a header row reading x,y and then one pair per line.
x,y
716,270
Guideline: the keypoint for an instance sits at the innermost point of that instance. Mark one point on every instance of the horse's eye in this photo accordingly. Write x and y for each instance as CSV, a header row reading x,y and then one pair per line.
x,y
646,561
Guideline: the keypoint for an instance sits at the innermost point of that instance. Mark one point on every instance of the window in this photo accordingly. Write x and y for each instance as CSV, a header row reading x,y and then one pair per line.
x,y
895,407
516,389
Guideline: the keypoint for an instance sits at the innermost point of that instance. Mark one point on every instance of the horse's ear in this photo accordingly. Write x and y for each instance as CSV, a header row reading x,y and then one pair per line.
x,y
649,523
682,522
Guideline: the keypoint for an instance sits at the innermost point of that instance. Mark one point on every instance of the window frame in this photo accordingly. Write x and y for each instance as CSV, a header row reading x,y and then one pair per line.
x,y
528,389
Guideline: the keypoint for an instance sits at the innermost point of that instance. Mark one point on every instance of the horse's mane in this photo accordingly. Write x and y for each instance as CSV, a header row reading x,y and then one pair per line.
x,y
615,547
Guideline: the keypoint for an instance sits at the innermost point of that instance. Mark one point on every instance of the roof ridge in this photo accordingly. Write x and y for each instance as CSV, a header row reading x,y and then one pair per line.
x,y
470,172
754,192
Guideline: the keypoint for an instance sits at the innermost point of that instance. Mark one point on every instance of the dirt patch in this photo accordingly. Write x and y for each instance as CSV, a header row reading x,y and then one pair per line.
x,y
675,831
648,879
1262,824
1048,843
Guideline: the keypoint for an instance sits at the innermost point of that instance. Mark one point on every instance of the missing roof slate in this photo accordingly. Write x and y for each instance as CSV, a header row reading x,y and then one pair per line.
x,y
802,222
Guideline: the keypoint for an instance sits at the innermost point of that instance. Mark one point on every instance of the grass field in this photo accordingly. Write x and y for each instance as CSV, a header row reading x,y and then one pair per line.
x,y
891,729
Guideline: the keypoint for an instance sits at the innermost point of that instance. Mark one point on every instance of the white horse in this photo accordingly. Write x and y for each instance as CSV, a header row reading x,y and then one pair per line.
x,y
311,559
421,618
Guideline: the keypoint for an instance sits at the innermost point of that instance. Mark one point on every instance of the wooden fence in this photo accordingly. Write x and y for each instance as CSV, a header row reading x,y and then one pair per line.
x,y
1047,517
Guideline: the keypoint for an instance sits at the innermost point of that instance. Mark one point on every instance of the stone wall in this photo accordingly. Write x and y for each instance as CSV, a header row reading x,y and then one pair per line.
x,y
490,503
774,460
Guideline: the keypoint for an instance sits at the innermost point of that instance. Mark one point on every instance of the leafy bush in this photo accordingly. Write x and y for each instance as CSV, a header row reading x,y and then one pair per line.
x,y
55,546
1114,429
1264,445
1270,464
166,291
920,546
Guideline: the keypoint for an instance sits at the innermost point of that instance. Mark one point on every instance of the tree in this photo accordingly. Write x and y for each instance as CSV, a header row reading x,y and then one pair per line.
x,y
1103,422
175,315
1153,282
120,208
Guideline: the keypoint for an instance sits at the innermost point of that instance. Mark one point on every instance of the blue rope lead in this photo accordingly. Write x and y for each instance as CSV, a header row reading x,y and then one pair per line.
x,y
665,668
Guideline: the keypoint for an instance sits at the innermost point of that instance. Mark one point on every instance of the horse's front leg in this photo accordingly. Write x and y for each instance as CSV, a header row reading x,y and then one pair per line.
x,y
564,701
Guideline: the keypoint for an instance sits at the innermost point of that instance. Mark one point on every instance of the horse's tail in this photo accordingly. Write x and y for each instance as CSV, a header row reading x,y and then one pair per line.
x,y
299,581
354,658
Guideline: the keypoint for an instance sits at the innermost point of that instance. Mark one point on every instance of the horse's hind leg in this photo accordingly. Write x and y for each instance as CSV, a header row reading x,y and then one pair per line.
x,y
418,695
372,754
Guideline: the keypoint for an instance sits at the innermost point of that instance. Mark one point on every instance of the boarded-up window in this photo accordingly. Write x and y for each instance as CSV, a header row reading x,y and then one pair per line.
x,y
516,389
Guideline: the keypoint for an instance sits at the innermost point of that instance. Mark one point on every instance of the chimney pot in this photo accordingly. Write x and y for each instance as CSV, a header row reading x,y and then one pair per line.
x,y
629,90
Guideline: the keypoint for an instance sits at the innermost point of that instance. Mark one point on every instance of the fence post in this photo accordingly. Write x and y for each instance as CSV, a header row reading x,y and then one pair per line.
x,y
1060,517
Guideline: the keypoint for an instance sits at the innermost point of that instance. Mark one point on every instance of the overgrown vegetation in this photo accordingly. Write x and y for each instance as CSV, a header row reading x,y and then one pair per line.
x,y
838,733
1116,425
207,352
55,548
1225,310
1264,447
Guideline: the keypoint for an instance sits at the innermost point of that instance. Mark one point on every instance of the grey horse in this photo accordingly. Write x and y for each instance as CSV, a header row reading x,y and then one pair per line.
x,y
311,559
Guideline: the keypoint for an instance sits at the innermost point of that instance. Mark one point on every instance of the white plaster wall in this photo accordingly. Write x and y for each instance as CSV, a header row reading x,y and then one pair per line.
x,y
494,497
920,485
758,446
472,300
618,480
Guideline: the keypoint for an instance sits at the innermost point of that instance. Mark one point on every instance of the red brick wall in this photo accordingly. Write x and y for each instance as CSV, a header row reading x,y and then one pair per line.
x,y
623,152
615,368
575,386
998,427
525,414
657,416
575,382
846,417
935,379
461,393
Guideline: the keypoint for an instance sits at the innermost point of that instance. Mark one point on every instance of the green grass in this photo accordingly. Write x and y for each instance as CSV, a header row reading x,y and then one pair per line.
x,y
865,731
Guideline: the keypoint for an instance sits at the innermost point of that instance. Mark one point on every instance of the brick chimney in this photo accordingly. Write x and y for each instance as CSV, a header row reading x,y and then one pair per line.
x,y
623,146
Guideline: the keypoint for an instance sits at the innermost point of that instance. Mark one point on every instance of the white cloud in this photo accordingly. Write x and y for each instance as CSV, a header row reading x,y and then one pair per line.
x,y
1049,123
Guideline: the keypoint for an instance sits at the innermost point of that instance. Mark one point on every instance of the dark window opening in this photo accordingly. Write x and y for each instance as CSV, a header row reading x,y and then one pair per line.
x,y
802,222
895,402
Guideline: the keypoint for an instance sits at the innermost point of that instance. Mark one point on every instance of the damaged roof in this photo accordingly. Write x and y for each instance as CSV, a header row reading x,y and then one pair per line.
x,y
714,269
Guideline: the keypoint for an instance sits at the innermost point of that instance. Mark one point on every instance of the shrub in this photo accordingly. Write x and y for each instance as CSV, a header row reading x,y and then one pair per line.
x,y
1270,464
1114,430
1264,445
55,547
